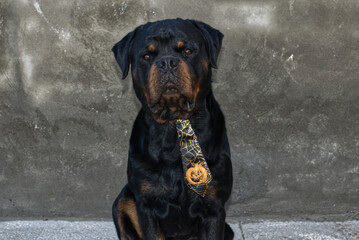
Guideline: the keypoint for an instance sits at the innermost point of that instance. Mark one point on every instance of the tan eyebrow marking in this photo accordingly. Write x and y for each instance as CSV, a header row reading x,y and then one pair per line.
x,y
151,48
180,44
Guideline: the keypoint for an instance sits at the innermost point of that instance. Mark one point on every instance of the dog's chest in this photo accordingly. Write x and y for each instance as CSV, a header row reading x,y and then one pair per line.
x,y
177,210
176,207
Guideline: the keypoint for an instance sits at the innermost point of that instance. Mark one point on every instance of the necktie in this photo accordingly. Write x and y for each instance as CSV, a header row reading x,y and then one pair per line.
x,y
196,172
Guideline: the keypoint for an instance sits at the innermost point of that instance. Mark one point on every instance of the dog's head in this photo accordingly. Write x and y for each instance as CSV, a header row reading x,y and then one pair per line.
x,y
171,64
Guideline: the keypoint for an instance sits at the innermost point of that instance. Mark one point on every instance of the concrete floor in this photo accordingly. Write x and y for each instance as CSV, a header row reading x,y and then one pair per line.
x,y
271,230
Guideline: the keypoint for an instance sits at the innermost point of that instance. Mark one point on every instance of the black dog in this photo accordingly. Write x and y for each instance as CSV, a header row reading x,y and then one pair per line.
x,y
171,64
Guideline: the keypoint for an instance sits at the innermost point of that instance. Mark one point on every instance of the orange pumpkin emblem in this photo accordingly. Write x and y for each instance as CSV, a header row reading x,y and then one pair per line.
x,y
196,175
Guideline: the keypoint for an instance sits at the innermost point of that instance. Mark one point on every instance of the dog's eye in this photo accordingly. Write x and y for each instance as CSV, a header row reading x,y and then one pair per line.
x,y
147,57
187,52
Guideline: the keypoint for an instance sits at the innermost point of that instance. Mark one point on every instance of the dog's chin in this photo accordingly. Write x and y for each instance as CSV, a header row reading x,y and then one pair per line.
x,y
171,104
171,107
168,116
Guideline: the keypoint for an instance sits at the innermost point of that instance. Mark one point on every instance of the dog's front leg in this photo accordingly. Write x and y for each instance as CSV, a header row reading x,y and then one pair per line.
x,y
213,227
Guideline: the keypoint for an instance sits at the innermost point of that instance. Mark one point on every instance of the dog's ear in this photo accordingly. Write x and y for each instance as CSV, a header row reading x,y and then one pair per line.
x,y
121,50
213,39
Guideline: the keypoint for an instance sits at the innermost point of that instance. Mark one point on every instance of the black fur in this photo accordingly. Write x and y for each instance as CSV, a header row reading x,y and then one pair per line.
x,y
167,208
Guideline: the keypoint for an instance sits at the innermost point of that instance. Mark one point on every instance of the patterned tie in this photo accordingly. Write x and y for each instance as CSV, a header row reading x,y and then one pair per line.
x,y
196,171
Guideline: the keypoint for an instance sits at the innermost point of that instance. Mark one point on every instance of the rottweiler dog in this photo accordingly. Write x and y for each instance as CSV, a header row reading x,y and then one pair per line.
x,y
171,63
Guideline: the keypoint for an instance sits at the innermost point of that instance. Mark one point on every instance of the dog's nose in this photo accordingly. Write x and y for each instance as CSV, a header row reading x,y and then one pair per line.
x,y
168,63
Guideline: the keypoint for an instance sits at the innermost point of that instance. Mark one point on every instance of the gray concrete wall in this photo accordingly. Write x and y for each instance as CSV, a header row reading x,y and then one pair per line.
x,y
287,82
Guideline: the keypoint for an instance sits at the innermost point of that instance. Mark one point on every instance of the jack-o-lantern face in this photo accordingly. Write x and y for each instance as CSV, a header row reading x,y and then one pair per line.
x,y
196,175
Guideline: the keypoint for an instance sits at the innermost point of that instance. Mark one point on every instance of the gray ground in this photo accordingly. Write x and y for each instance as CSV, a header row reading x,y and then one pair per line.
x,y
78,230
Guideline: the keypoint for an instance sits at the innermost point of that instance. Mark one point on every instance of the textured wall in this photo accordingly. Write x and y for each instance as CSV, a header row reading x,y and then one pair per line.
x,y
287,83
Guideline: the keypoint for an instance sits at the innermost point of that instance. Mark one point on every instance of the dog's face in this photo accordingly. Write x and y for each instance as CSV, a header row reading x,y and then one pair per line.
x,y
171,64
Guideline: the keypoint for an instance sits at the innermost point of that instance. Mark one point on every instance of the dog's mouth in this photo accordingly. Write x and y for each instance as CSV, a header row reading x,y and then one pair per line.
x,y
172,104
171,93
170,89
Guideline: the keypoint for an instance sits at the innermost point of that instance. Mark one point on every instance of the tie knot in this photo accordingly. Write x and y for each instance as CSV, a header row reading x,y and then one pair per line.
x,y
184,129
